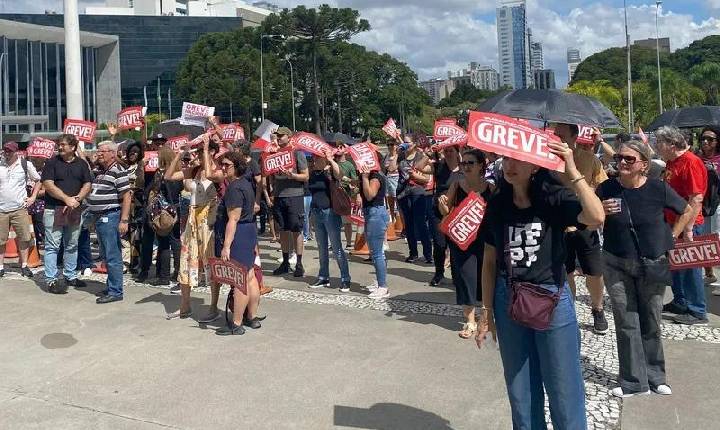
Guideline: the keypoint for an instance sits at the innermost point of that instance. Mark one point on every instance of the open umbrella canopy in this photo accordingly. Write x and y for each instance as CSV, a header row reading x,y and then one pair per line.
x,y
688,117
551,106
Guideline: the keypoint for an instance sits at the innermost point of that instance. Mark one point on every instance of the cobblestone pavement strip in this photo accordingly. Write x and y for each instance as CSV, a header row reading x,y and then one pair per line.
x,y
599,353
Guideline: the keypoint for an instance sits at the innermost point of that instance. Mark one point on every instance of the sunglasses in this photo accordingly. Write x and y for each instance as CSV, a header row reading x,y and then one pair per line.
x,y
628,159
708,139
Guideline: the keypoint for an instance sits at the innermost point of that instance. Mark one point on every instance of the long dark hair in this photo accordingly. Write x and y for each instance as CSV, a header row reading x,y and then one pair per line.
x,y
713,129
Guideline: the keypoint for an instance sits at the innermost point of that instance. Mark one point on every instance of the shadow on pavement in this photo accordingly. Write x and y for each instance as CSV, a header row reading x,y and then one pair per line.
x,y
172,302
411,274
448,323
389,416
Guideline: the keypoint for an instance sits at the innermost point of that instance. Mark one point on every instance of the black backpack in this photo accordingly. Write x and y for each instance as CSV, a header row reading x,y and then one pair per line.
x,y
712,194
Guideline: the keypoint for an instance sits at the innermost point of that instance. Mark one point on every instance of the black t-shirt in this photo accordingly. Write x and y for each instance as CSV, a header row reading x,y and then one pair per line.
x,y
379,199
252,171
645,205
69,177
319,187
532,238
239,194
444,177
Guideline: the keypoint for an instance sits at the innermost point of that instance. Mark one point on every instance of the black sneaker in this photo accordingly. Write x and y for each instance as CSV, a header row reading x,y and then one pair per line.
x,y
428,260
57,286
674,308
299,271
345,287
175,289
283,269
141,277
321,283
160,282
600,324
690,319
231,330
411,259
2,273
253,323
436,280
26,272
75,283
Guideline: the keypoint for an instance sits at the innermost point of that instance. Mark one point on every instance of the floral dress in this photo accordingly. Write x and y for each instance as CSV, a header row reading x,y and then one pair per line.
x,y
197,240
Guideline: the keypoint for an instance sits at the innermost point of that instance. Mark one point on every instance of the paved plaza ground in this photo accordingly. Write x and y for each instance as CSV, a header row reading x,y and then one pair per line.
x,y
321,360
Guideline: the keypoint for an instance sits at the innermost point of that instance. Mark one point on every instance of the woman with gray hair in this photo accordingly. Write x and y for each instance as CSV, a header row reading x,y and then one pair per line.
x,y
637,239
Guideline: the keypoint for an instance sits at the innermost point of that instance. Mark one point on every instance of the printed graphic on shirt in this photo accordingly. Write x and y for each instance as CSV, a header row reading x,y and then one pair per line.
x,y
524,243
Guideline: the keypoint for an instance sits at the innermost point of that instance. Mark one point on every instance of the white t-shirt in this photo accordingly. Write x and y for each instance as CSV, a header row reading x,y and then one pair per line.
x,y
13,190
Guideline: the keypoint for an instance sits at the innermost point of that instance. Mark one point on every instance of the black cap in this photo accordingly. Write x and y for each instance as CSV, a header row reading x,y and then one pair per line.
x,y
158,136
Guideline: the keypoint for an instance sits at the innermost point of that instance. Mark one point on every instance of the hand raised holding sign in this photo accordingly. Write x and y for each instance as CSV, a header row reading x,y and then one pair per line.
x,y
363,169
563,151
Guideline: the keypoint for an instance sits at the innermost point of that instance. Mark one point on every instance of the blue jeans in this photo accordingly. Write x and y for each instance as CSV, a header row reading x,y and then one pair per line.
x,y
327,226
106,227
413,210
688,288
84,260
67,236
533,359
306,224
376,223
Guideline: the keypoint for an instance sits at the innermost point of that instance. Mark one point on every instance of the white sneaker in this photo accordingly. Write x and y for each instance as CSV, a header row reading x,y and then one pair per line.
x,y
379,293
716,291
618,392
292,259
385,246
372,287
87,272
662,389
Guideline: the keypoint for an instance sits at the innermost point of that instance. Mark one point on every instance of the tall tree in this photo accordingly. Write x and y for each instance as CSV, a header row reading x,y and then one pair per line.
x,y
706,76
315,28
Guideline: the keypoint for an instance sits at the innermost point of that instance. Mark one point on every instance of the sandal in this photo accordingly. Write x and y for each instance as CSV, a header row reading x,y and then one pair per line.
x,y
468,330
178,314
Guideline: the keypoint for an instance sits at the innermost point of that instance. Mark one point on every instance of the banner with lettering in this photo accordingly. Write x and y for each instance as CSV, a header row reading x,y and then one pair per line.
x,y
83,130
228,272
703,251
230,132
509,137
463,223
41,148
392,130
194,114
456,140
177,142
585,135
356,214
131,117
152,161
444,130
363,154
311,143
273,162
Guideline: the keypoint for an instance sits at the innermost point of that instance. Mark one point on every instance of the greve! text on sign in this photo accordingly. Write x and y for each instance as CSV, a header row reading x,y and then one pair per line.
x,y
273,162
463,223
511,138
310,143
83,130
228,272
130,118
703,251
364,154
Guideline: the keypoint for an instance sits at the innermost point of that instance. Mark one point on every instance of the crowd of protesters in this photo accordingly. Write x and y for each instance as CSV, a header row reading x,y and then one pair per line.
x,y
611,217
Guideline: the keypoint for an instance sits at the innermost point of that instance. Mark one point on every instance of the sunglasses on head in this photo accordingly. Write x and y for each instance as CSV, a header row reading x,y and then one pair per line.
x,y
628,159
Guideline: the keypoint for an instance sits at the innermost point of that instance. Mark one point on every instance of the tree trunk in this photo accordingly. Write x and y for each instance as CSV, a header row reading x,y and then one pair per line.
x,y
316,102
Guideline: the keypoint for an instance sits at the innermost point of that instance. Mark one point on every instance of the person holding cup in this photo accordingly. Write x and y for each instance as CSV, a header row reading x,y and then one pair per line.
x,y
637,239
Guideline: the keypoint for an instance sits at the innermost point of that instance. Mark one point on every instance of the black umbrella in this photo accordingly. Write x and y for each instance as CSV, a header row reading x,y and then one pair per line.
x,y
174,128
689,117
551,106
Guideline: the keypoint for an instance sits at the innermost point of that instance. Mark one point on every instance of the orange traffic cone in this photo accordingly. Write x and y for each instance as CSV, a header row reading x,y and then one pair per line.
x,y
34,258
11,249
390,233
399,226
361,247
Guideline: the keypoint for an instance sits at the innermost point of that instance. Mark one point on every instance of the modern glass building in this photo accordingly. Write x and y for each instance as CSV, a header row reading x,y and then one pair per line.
x,y
150,50
32,84
513,44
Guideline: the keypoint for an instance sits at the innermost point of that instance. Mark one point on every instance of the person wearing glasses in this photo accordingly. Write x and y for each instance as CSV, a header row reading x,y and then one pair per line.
x,y
67,180
635,229
710,154
465,265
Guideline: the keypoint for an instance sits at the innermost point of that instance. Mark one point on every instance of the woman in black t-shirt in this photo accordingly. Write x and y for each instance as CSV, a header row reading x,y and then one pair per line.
x,y
373,187
240,240
635,228
524,242
465,265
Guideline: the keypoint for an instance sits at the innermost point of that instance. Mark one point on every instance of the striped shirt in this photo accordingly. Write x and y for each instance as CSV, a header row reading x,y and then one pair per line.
x,y
107,189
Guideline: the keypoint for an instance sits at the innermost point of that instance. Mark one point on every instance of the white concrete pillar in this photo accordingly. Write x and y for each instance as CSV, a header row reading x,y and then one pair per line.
x,y
73,61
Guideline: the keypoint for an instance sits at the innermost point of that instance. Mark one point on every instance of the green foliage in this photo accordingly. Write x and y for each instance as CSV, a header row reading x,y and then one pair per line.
x,y
465,93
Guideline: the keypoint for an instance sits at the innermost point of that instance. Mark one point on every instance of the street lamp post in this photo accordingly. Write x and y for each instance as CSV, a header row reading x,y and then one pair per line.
x,y
657,46
262,87
3,56
292,92
631,115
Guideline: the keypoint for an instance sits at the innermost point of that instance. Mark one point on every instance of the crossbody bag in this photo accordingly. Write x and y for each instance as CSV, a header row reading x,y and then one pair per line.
x,y
655,270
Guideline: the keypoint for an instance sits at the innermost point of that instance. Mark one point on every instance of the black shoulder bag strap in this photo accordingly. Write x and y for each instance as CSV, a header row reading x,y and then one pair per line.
x,y
636,241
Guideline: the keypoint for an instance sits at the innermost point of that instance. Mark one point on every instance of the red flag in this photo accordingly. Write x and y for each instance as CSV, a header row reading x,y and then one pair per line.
x,y
463,223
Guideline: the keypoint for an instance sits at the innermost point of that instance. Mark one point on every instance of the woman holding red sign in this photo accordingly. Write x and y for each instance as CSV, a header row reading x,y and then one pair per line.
x,y
525,290
464,264
415,172
372,192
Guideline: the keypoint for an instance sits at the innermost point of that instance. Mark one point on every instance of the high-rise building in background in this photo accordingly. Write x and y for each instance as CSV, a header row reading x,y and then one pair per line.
x,y
664,43
484,77
573,59
438,88
544,79
513,44
536,56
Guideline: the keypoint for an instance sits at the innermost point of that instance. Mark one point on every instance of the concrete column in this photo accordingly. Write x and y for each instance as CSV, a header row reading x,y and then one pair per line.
x,y
73,62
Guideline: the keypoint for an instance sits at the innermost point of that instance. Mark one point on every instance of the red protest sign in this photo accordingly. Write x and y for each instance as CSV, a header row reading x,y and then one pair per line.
x,y
310,143
444,130
585,135
463,223
356,214
239,132
130,118
364,155
703,251
229,132
41,148
152,161
83,130
391,129
509,137
177,142
458,139
451,121
273,162
228,272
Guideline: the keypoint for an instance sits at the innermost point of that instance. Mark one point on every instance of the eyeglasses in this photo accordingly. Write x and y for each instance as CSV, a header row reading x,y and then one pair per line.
x,y
708,139
628,159
104,150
